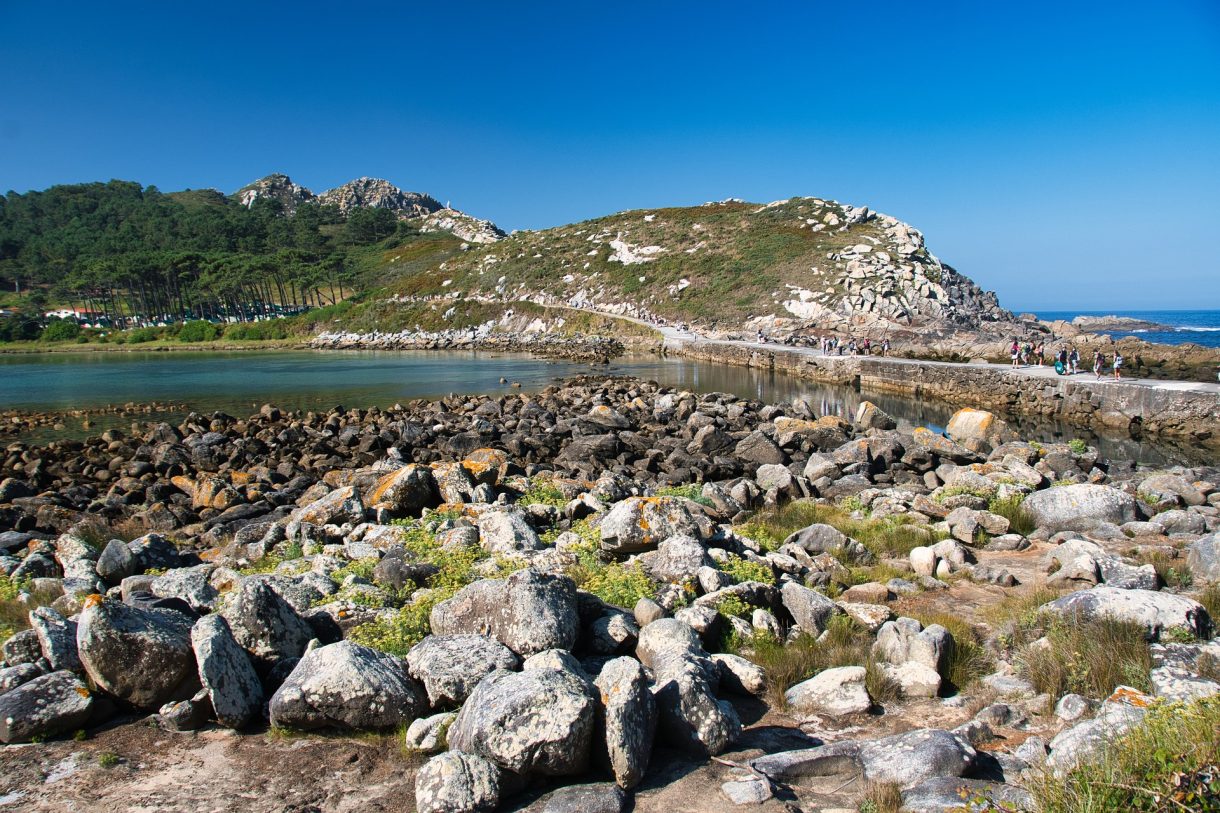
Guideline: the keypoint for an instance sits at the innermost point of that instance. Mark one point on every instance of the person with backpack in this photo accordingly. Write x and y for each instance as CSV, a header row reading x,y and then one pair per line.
x,y
1073,361
1016,352
1098,362
1118,365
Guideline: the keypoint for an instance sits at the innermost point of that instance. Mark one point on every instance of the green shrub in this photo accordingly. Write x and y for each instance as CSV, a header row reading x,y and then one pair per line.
x,y
396,633
732,605
142,335
1089,657
542,491
1078,446
1013,509
256,331
360,567
690,491
1169,762
747,570
271,562
199,331
60,330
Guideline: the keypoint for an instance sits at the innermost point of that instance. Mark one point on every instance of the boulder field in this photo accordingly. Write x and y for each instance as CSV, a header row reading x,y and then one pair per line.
x,y
550,596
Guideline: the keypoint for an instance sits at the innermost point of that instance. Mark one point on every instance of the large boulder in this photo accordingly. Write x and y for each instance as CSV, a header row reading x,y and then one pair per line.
x,y
690,717
506,532
56,638
536,722
454,782
405,491
528,612
677,559
905,640
450,666
43,707
346,685
629,719
1203,557
640,523
1079,507
265,624
810,609
871,416
975,425
225,672
140,656
911,758
191,584
836,692
1156,612
1173,486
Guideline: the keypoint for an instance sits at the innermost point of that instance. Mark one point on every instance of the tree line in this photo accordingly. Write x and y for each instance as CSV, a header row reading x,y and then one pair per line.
x,y
136,255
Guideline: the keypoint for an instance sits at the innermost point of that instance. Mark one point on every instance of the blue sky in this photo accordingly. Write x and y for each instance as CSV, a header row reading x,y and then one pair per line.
x,y
1065,155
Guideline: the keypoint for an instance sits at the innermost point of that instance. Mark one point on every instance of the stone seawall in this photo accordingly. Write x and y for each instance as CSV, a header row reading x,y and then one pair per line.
x,y
1182,410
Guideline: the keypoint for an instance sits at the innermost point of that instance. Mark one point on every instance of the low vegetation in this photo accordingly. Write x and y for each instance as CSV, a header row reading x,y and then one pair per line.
x,y
884,537
1087,657
971,659
1170,762
845,643
1012,508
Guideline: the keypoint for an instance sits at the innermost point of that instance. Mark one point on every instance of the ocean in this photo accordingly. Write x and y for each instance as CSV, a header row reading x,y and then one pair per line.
x,y
1198,327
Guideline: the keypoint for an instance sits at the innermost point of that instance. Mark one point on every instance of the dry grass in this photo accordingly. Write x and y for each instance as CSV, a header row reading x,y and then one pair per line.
x,y
1090,657
884,537
845,644
1209,597
1170,762
881,797
971,660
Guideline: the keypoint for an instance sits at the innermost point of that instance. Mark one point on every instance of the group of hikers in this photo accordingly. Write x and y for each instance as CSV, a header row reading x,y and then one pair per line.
x,y
834,345
1067,359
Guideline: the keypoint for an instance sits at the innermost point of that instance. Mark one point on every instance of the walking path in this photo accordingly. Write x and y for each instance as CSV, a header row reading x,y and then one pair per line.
x,y
678,339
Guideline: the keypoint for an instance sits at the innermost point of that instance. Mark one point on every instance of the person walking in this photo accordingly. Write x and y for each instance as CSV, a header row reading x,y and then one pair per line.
x,y
1040,353
1016,352
1074,361
1118,365
885,346
1098,363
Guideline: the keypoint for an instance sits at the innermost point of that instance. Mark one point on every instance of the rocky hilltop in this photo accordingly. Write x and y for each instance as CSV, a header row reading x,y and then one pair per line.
x,y
374,193
802,262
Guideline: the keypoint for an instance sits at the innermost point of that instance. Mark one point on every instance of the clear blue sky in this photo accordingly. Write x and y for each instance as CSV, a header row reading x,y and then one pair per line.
x,y
1064,154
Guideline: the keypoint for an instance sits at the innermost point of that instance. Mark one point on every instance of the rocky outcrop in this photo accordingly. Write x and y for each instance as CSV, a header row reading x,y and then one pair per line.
x,y
375,193
278,188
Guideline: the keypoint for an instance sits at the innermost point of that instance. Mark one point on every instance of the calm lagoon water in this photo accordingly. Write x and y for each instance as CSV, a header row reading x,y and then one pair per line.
x,y
238,383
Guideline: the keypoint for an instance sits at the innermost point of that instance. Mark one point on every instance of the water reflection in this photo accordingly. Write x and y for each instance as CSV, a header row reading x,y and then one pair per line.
x,y
238,383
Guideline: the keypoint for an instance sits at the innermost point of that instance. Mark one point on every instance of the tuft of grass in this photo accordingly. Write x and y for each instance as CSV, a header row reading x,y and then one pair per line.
x,y
845,643
1088,657
108,759
893,536
1015,618
1078,446
1013,509
1169,762
1172,572
971,659
1209,597
16,601
360,567
881,797
396,633
731,605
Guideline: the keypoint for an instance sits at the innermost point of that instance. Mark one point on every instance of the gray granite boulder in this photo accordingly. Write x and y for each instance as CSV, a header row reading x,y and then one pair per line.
x,y
265,624
226,673
640,523
836,692
189,584
629,719
140,656
1155,611
810,609
455,782
43,707
1079,507
913,757
1203,557
347,686
528,612
450,666
690,717
506,532
57,639
536,722
598,797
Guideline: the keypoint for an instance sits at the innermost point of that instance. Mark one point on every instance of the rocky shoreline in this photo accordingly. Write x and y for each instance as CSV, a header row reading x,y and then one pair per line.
x,y
602,581
547,345
20,421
